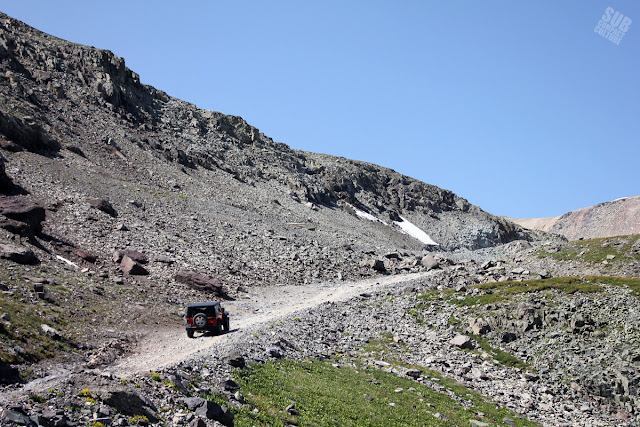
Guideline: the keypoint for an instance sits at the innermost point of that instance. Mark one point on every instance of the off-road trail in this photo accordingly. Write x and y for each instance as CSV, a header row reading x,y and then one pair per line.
x,y
259,306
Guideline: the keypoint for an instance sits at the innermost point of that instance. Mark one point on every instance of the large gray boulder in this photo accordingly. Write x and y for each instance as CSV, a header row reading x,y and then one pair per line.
x,y
19,254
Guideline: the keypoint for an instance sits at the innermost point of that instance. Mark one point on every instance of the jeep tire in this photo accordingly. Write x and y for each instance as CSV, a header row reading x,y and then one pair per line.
x,y
190,333
200,320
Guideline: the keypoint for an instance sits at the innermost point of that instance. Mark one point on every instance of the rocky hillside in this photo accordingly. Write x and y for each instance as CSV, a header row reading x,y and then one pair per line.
x,y
76,124
119,205
617,218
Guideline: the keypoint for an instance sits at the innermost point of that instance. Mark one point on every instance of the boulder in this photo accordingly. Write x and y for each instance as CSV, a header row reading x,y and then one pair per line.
x,y
126,401
52,332
199,282
479,326
18,254
131,267
192,403
213,411
131,253
104,206
463,341
374,264
5,181
22,209
26,133
429,262
14,416
16,227
234,358
87,256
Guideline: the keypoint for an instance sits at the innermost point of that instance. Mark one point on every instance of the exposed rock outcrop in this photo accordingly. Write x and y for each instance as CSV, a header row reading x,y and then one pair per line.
x,y
617,218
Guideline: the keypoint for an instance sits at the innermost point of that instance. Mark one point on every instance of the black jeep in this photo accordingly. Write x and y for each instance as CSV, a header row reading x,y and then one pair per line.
x,y
206,316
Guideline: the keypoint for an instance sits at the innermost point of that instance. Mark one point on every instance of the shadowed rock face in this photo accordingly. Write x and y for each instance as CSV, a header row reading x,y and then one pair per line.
x,y
236,202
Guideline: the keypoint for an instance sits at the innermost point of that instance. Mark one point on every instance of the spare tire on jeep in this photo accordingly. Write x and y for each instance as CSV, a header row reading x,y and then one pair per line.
x,y
206,317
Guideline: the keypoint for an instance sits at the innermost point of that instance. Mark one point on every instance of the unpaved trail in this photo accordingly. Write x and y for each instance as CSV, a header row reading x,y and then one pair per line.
x,y
164,347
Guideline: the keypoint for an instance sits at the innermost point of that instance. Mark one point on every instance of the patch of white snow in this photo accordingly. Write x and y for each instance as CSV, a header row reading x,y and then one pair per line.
x,y
415,232
365,215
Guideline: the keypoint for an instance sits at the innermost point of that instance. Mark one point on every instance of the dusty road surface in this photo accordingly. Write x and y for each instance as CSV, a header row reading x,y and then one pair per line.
x,y
164,347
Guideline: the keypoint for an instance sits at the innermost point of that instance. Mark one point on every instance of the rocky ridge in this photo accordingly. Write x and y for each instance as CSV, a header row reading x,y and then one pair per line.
x,y
616,218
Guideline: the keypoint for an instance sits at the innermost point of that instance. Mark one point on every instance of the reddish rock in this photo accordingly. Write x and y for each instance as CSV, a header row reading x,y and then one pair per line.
x,y
87,256
131,267
200,282
21,209
131,253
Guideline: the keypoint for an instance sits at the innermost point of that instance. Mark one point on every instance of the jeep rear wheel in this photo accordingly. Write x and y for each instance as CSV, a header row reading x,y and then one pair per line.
x,y
225,324
200,320
190,333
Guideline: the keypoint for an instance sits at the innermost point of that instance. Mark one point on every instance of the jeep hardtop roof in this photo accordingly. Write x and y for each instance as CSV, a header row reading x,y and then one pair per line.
x,y
203,304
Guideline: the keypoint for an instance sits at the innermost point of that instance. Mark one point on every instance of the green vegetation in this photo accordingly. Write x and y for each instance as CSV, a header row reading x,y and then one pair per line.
x,y
139,419
494,292
155,376
595,251
502,357
325,395
23,330
498,291
632,283
85,392
36,398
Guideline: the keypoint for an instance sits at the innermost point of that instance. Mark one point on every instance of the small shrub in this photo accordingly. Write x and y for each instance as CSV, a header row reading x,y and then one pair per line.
x,y
139,420
85,392
36,398
155,376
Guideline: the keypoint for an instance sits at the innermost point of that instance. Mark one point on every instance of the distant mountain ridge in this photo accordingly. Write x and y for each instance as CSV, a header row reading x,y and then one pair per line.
x,y
616,218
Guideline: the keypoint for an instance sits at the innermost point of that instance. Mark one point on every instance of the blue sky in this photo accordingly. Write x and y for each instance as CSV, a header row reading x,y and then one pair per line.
x,y
519,107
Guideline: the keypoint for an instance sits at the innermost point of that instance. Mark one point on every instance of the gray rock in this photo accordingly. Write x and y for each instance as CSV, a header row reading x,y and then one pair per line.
x,y
429,262
374,264
479,326
19,254
52,332
274,352
463,341
213,411
104,206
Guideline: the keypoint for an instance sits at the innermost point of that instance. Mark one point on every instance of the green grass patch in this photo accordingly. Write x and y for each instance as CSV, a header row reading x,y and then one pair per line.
x,y
498,291
502,357
328,396
595,251
632,283
22,339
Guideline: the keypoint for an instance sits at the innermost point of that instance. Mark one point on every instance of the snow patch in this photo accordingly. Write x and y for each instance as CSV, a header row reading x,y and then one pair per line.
x,y
415,232
367,216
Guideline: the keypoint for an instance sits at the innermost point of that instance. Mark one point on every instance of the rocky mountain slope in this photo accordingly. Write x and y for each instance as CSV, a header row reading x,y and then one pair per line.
x,y
119,205
80,118
617,218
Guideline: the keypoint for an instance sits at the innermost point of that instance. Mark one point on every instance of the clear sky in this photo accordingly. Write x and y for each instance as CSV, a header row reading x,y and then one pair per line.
x,y
518,106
